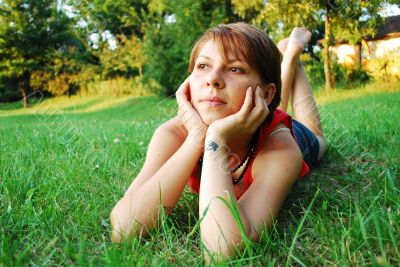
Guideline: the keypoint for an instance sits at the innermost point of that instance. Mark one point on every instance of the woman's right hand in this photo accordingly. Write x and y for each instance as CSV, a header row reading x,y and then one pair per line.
x,y
189,117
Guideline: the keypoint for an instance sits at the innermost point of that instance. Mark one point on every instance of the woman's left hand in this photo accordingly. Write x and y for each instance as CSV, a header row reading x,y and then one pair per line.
x,y
243,123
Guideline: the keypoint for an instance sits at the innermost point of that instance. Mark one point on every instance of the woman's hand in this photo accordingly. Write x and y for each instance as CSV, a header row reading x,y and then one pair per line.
x,y
243,123
189,117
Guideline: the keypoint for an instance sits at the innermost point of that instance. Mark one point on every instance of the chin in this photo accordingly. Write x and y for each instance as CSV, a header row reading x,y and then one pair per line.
x,y
211,115
208,119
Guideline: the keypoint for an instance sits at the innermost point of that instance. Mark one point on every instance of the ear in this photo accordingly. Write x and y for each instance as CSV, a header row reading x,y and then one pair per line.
x,y
269,91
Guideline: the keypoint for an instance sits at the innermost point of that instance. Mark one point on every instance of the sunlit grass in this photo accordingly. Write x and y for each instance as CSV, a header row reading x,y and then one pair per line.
x,y
62,172
79,104
66,104
338,95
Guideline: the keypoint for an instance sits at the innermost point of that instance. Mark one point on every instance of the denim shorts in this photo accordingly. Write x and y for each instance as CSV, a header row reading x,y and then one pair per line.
x,y
307,142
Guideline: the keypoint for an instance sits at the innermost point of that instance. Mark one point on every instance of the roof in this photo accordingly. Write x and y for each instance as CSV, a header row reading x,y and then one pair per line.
x,y
391,26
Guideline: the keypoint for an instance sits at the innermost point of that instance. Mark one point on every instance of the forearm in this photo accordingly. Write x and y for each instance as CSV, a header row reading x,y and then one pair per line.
x,y
219,229
138,209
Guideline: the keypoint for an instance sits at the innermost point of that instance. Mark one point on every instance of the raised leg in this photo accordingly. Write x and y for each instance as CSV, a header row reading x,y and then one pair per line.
x,y
296,85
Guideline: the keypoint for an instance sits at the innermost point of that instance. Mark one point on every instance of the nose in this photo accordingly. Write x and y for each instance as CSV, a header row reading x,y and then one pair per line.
x,y
215,80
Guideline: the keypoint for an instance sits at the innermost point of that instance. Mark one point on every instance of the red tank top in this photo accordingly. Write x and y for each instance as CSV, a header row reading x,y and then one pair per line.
x,y
266,129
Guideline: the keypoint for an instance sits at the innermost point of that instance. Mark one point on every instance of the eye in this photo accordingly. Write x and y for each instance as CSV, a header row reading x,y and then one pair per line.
x,y
202,66
235,69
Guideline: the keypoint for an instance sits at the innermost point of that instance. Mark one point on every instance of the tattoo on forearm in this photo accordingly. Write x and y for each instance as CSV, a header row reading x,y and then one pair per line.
x,y
212,146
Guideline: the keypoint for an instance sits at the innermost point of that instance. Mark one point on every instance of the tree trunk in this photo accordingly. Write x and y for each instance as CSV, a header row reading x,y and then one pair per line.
x,y
23,87
329,79
367,49
141,80
25,99
357,50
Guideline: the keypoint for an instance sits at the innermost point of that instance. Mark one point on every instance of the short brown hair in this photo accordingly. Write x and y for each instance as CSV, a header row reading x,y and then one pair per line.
x,y
250,44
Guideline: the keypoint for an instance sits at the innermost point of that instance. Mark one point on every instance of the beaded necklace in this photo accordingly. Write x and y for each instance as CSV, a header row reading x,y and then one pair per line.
x,y
248,159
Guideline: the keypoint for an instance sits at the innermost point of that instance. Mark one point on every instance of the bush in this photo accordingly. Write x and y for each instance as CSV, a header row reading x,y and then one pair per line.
x,y
9,90
346,76
122,86
350,76
386,69
357,76
314,69
56,84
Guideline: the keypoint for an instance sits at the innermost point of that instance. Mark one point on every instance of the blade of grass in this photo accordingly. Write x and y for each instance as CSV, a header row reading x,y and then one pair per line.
x,y
300,227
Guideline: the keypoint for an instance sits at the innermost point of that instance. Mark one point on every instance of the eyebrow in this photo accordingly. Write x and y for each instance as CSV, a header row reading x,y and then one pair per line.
x,y
229,61
204,56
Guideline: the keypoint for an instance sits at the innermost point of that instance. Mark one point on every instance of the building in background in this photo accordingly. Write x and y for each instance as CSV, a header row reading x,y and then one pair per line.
x,y
385,42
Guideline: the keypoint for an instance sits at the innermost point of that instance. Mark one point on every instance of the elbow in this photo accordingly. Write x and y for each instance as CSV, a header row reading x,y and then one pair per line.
x,y
117,229
222,249
123,228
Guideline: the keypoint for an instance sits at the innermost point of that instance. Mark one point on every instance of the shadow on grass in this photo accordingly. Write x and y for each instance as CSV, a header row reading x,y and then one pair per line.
x,y
19,105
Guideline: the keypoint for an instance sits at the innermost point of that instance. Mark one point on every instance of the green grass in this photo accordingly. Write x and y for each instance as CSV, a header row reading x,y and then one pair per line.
x,y
62,171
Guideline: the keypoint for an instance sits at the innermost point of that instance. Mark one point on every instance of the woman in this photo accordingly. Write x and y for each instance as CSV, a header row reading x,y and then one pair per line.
x,y
229,140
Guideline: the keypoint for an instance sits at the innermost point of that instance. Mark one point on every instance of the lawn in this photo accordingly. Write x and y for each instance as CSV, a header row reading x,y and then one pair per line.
x,y
65,162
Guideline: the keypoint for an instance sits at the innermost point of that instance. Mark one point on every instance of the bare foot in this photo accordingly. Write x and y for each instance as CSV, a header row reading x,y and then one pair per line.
x,y
297,40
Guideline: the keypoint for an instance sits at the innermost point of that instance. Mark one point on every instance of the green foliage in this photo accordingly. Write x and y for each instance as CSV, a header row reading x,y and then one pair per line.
x,y
39,79
168,43
353,20
119,17
385,69
349,20
127,59
62,46
119,86
153,38
247,10
357,76
9,91
350,76
314,69
280,17
347,77
35,36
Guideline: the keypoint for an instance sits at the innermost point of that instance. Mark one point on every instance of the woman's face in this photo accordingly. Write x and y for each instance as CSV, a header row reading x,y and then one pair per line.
x,y
218,86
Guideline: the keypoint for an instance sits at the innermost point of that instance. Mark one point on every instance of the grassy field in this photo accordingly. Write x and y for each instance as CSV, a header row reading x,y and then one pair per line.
x,y
65,162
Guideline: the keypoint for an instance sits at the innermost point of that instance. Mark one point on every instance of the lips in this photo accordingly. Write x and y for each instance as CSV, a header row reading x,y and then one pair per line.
x,y
213,101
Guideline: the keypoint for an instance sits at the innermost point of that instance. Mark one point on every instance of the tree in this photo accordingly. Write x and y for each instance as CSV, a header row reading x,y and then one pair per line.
x,y
342,19
153,38
126,59
33,35
120,18
119,21
169,40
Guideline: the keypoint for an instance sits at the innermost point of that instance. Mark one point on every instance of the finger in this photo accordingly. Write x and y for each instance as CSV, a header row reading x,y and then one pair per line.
x,y
258,99
258,106
260,110
265,104
183,88
186,108
181,93
247,105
